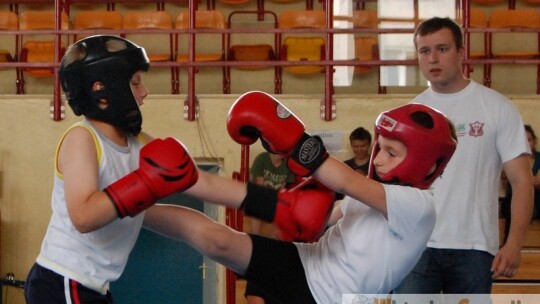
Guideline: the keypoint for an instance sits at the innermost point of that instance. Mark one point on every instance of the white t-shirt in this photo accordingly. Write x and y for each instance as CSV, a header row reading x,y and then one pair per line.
x,y
96,258
490,132
364,253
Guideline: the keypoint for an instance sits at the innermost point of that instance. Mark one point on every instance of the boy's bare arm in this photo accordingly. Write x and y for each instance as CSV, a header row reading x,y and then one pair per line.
x,y
341,178
220,190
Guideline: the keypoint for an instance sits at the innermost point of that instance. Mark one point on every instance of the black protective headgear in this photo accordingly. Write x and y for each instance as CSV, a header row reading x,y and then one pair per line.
x,y
112,68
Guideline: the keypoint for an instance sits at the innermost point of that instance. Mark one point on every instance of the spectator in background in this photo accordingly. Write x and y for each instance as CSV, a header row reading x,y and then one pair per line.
x,y
535,164
360,140
268,170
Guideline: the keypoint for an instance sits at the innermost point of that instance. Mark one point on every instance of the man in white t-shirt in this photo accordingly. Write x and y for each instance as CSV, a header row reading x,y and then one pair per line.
x,y
463,254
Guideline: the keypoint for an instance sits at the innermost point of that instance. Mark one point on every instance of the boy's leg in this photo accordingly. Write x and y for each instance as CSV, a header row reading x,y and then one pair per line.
x,y
276,268
214,240
272,265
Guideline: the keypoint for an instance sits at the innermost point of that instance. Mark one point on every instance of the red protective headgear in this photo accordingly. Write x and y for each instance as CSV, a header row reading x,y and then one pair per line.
x,y
426,146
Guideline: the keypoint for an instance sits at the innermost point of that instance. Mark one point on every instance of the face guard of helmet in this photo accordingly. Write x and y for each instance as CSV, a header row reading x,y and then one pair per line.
x,y
112,61
430,140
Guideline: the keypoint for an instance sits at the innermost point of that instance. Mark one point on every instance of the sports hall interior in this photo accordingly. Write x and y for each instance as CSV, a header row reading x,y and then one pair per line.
x,y
197,72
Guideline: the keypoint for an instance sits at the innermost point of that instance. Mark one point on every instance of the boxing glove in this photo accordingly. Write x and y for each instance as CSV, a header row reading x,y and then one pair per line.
x,y
307,156
165,167
300,214
258,115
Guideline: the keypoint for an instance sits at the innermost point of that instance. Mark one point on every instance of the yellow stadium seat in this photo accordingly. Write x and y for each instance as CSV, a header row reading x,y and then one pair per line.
x,y
296,47
303,49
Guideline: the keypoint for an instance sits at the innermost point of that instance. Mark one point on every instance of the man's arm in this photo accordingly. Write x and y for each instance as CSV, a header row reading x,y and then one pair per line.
x,y
518,171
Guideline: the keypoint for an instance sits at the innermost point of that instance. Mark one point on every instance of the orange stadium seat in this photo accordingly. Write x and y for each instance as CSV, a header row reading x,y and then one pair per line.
x,y
42,51
511,45
514,19
366,45
254,51
204,19
95,21
8,21
150,20
479,20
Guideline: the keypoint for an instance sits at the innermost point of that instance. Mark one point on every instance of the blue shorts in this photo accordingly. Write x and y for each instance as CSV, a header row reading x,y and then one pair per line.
x,y
46,286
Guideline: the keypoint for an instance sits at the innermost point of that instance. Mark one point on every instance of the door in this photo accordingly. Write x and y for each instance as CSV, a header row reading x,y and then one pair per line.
x,y
164,271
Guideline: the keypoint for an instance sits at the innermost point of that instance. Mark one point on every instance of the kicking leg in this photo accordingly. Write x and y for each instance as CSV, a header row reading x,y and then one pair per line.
x,y
217,241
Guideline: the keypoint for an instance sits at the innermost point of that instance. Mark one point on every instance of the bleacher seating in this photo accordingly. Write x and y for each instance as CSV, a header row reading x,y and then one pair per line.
x,y
254,51
158,49
204,19
74,8
366,45
36,49
8,21
511,46
96,20
527,280
302,47
479,20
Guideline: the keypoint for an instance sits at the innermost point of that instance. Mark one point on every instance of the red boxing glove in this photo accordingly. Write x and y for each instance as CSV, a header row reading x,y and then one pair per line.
x,y
302,212
257,114
165,167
